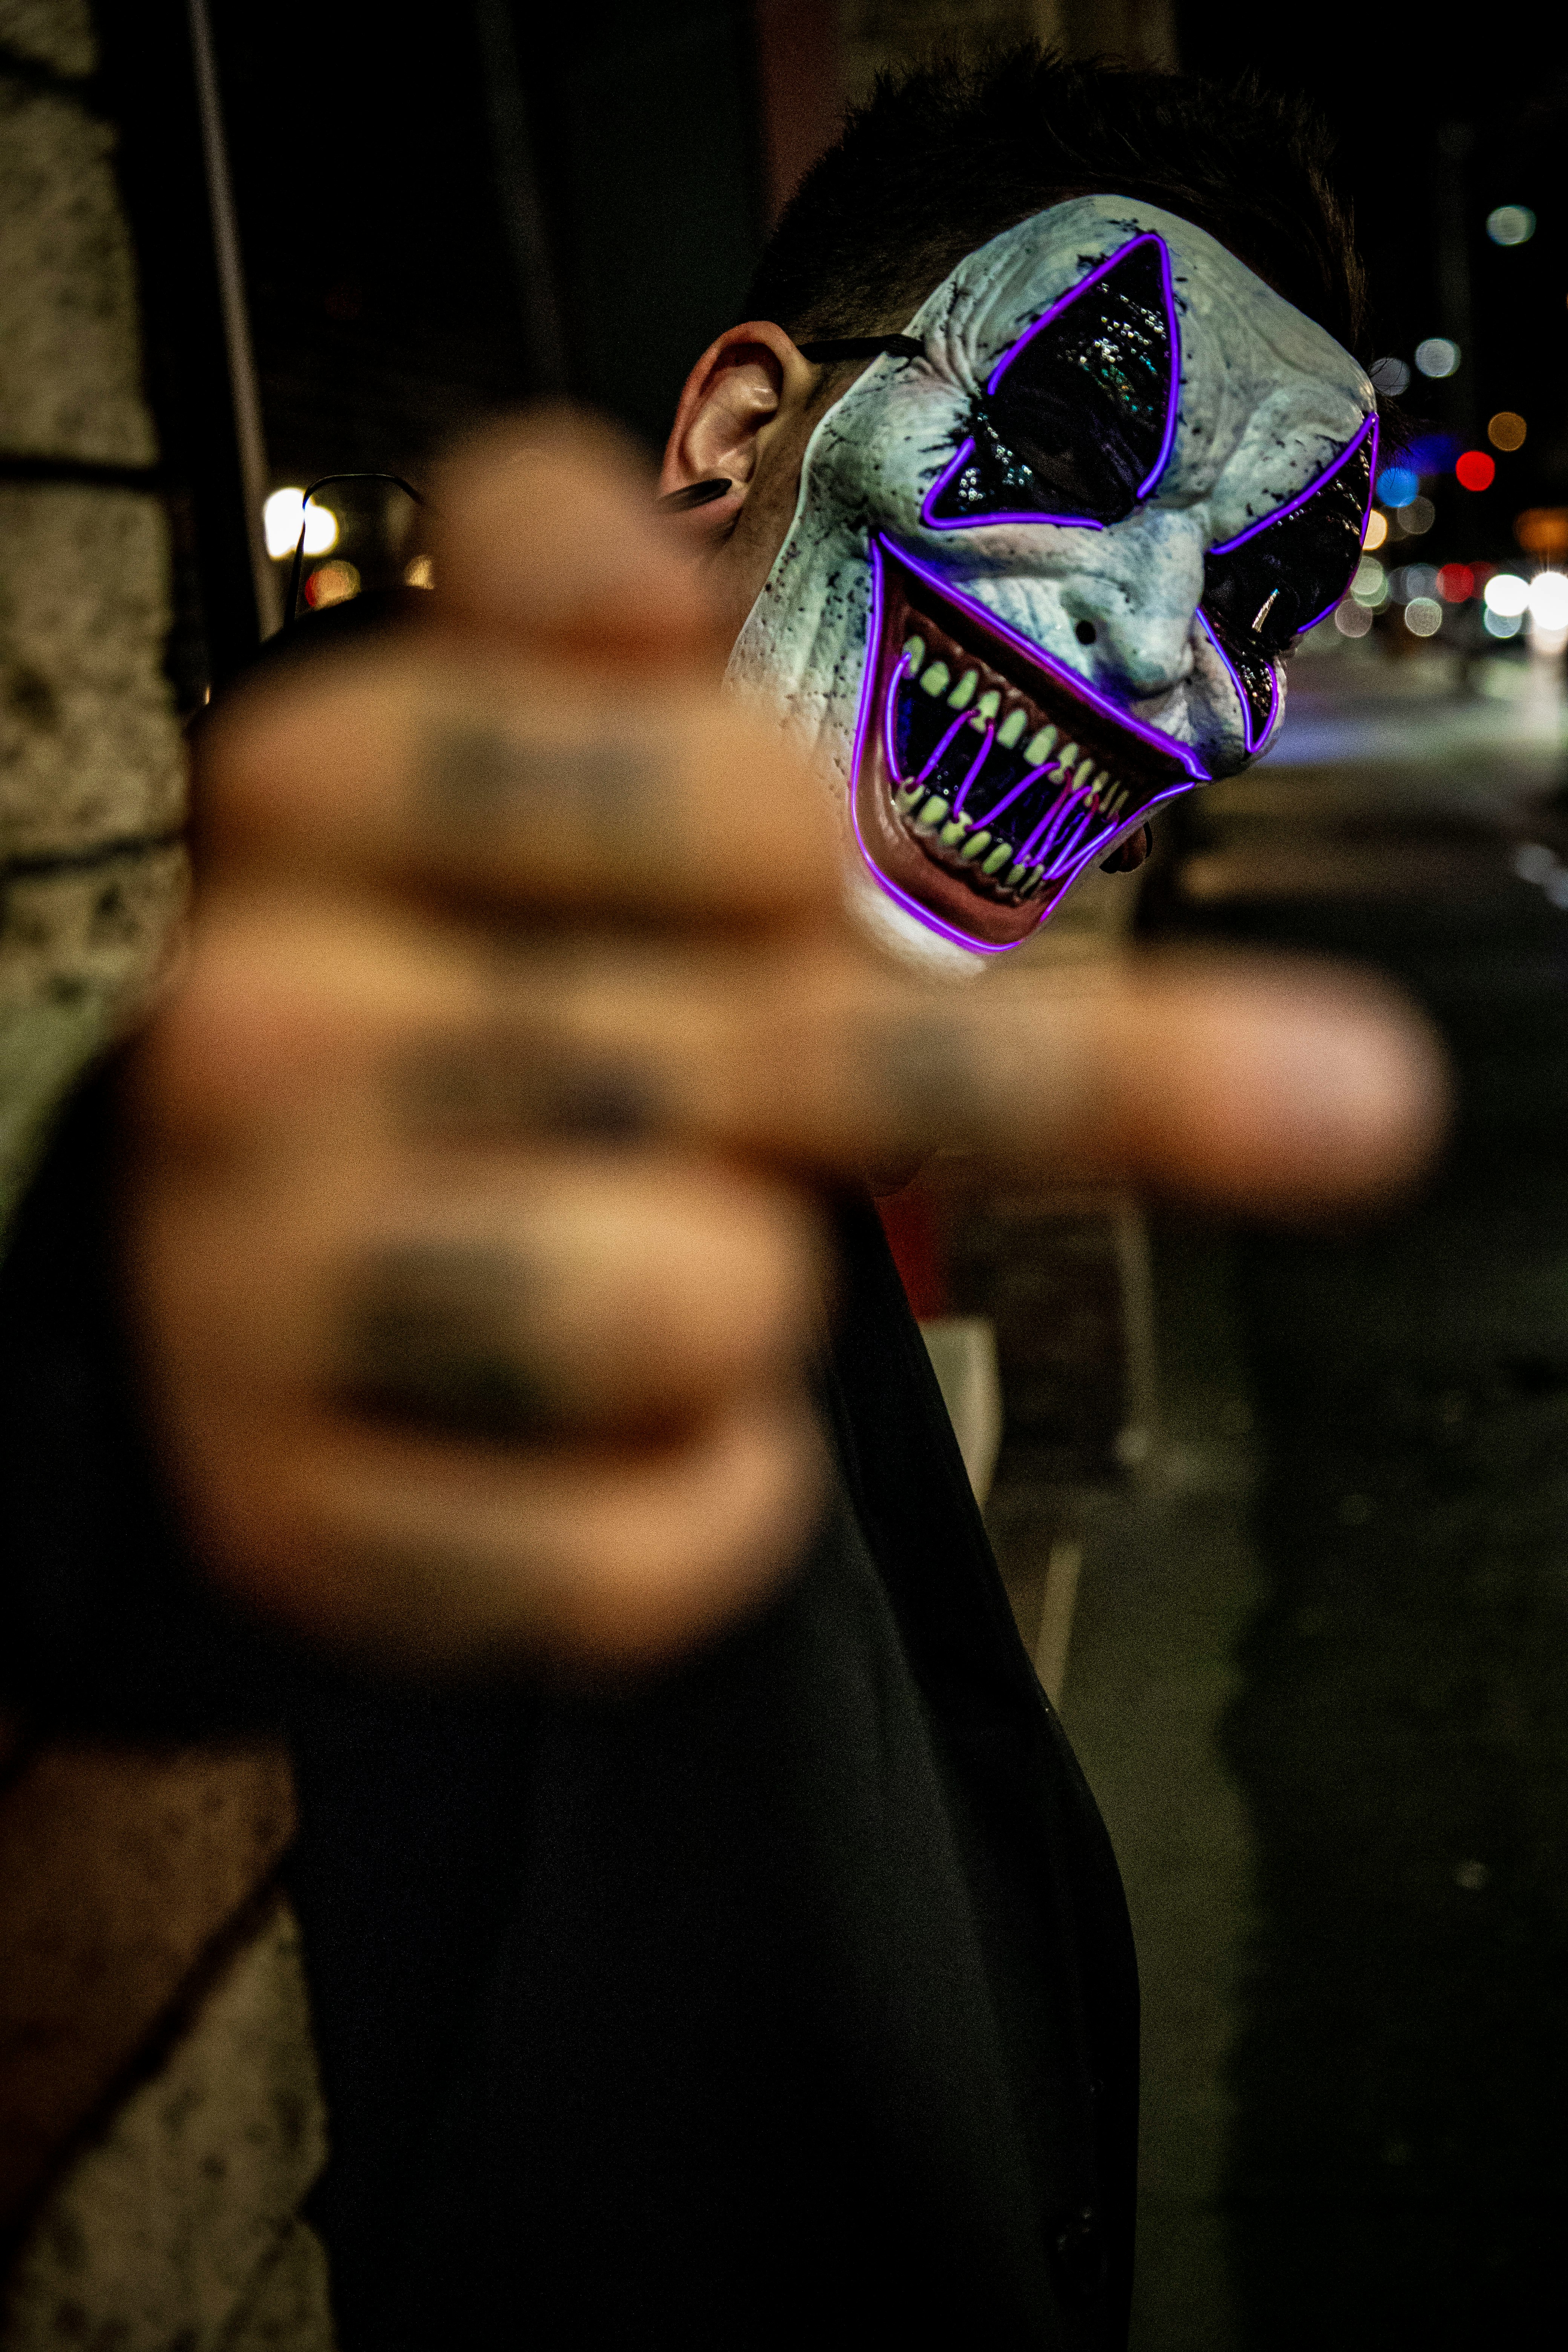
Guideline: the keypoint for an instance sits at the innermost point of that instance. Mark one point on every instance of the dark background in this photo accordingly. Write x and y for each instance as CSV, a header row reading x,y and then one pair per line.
x,y
1438,122
371,152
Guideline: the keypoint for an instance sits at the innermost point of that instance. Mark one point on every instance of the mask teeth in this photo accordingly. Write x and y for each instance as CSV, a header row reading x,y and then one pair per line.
x,y
990,854
936,678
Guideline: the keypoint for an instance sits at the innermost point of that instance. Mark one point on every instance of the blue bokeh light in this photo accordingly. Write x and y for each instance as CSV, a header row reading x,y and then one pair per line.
x,y
1397,486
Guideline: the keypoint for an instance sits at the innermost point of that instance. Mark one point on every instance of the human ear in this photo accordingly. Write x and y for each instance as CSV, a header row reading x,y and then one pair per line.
x,y
742,387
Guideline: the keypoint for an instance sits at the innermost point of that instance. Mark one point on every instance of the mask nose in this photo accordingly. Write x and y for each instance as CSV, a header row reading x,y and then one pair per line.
x,y
1141,655
1143,608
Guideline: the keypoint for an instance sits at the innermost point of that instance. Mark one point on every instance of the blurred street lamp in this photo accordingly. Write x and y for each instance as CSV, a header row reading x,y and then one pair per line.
x,y
280,520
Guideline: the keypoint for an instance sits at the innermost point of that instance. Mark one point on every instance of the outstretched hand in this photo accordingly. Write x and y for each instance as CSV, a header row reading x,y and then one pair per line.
x,y
476,1245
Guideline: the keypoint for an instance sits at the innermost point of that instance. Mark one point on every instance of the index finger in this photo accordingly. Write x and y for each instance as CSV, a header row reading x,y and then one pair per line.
x,y
511,784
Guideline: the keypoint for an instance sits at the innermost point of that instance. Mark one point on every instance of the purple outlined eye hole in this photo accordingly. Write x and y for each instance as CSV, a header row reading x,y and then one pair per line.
x,y
1077,420
1277,579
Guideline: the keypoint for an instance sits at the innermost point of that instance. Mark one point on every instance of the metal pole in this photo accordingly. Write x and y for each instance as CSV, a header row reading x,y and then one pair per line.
x,y
244,391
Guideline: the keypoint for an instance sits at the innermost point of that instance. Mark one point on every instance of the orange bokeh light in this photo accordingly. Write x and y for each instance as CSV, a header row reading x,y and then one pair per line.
x,y
1475,470
331,583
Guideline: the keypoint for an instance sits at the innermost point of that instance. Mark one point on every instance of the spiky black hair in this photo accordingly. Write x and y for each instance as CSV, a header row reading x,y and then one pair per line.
x,y
942,158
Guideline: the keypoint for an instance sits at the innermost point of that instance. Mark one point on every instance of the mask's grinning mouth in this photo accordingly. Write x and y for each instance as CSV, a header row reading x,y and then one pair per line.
x,y
989,777
973,790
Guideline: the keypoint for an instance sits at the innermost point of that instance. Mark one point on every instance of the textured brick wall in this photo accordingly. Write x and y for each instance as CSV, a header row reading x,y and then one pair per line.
x,y
91,783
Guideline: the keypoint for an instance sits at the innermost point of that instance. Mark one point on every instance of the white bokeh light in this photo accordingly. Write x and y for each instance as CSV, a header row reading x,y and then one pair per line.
x,y
1511,225
1549,600
1506,594
280,522
1437,355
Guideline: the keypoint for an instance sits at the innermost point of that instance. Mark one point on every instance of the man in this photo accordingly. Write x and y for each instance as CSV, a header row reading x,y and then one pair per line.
x,y
709,1937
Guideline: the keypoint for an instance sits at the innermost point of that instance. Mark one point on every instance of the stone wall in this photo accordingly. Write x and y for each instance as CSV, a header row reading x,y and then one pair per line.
x,y
91,779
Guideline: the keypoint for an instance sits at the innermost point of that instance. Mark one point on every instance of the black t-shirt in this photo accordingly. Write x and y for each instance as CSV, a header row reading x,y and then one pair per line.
x,y
787,1991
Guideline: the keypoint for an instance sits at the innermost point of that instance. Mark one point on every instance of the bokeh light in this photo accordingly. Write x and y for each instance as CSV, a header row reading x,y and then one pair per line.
x,y
1376,530
1506,594
334,583
1511,225
280,522
1549,600
1542,530
1503,625
419,574
1397,486
1475,470
1370,585
1455,584
1391,376
1420,515
1506,430
1437,355
1424,616
1352,620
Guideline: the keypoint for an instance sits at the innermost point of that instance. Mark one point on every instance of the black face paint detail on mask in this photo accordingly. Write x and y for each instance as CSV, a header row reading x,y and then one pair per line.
x,y
1074,424
1265,588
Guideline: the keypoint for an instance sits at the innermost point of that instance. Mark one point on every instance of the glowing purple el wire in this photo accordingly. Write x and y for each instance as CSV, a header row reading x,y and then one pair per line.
x,y
1063,800
1064,850
1265,523
980,759
1071,681
1022,787
1195,773
1371,494
894,769
922,914
1174,392
1251,734
959,721
1030,845
956,465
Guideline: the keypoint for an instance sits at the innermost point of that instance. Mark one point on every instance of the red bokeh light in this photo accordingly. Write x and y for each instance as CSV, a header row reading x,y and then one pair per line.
x,y
1475,470
1455,584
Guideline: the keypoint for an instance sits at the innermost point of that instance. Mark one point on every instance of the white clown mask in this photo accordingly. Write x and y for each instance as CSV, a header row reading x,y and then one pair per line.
x,y
1044,569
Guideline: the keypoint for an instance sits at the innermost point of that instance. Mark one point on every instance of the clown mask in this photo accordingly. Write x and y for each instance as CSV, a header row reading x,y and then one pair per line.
x,y
1048,558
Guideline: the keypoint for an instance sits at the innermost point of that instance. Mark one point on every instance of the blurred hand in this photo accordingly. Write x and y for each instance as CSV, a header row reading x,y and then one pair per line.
x,y
476,1244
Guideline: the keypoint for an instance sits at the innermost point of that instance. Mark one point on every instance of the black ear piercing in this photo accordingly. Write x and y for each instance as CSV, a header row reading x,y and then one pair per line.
x,y
695,494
